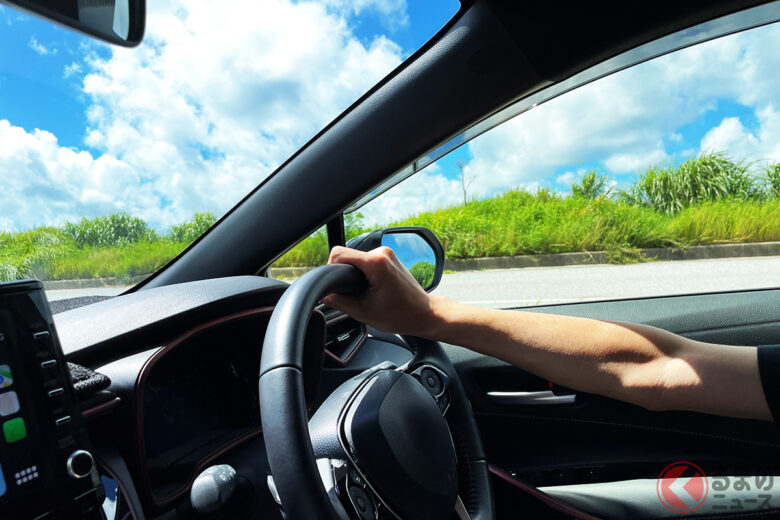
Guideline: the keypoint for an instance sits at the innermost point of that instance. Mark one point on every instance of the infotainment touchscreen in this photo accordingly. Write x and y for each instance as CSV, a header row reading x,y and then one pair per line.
x,y
46,468
22,472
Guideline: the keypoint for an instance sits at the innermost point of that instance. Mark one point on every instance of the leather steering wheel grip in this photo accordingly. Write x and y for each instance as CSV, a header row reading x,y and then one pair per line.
x,y
282,401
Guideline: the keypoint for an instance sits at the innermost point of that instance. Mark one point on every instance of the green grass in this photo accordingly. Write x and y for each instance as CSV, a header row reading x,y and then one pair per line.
x,y
521,223
120,262
706,200
117,246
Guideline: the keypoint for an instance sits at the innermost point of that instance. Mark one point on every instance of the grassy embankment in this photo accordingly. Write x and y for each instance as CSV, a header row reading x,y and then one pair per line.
x,y
118,246
706,200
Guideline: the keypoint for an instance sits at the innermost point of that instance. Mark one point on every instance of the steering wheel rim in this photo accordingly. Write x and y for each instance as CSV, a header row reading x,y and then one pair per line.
x,y
291,456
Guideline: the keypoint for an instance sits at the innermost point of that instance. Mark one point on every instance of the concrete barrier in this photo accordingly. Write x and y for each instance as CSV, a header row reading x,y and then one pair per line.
x,y
601,257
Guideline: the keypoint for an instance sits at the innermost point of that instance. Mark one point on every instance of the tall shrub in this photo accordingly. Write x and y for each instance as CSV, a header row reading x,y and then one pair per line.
x,y
708,177
117,229
772,179
189,231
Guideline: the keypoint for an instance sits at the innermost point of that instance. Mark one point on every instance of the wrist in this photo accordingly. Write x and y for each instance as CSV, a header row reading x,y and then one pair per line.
x,y
434,323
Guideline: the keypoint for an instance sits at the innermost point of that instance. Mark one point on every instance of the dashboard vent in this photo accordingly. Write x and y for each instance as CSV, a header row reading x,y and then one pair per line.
x,y
343,339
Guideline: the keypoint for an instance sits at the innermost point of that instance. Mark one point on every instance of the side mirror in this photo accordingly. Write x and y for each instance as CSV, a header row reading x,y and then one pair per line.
x,y
416,247
115,21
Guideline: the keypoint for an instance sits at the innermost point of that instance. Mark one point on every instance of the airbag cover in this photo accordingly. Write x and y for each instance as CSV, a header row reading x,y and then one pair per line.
x,y
401,441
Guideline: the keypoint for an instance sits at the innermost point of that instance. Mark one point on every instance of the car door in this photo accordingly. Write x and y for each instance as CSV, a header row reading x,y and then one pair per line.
x,y
605,457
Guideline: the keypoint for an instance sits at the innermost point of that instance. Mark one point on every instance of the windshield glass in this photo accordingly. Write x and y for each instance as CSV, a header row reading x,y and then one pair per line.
x,y
113,160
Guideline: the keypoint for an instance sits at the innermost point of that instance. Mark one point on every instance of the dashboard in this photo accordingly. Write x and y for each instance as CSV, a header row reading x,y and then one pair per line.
x,y
198,396
183,396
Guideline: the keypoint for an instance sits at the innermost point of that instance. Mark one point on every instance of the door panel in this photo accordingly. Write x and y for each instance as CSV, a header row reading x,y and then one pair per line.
x,y
595,439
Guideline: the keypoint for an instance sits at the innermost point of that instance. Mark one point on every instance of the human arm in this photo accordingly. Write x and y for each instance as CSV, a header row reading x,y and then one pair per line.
x,y
639,364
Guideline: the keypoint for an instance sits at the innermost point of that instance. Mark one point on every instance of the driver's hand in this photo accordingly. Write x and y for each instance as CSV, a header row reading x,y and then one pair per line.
x,y
394,301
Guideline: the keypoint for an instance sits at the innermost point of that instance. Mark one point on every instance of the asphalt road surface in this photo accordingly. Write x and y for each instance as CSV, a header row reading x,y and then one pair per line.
x,y
540,285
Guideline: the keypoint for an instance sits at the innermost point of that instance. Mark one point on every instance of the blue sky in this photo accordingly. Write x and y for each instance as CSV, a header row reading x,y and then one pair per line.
x,y
39,96
33,93
214,100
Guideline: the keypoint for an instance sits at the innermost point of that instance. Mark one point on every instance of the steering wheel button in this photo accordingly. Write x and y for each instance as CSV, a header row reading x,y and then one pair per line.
x,y
362,503
431,380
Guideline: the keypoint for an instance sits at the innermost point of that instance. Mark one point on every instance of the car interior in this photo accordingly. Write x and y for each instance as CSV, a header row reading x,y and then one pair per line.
x,y
210,390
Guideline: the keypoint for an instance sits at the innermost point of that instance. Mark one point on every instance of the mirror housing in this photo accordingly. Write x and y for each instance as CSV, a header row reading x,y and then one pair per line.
x,y
121,22
417,248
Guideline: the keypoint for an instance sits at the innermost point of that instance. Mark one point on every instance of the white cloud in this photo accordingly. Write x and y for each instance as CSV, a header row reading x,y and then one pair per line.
x,y
6,225
45,182
426,191
631,163
729,135
621,122
200,113
71,70
566,178
40,48
761,145
393,12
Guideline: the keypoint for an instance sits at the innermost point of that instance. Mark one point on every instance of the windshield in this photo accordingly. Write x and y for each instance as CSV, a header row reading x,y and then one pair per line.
x,y
114,160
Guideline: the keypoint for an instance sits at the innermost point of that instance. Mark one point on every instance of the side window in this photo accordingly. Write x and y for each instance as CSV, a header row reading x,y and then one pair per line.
x,y
312,251
590,195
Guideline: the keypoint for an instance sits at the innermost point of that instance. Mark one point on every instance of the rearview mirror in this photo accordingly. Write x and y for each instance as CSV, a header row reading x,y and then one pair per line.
x,y
417,248
115,21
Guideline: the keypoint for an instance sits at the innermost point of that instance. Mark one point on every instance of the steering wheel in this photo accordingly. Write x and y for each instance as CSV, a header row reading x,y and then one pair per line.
x,y
389,443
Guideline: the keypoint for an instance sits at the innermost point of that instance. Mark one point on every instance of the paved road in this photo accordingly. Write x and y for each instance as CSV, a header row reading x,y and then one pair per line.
x,y
539,285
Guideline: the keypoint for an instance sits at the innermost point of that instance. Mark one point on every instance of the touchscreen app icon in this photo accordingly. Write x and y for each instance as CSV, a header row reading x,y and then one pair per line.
x,y
5,376
9,403
2,481
14,430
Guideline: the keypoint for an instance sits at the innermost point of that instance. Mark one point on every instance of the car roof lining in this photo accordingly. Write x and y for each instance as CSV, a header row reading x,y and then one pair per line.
x,y
472,68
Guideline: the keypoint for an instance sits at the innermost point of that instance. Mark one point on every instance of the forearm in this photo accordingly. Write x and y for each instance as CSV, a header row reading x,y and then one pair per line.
x,y
635,363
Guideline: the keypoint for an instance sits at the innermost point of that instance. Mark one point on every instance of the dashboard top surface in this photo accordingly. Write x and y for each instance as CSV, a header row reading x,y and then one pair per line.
x,y
85,330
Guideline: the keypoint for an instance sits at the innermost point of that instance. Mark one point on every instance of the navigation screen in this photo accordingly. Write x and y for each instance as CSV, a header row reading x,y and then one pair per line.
x,y
19,473
41,430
